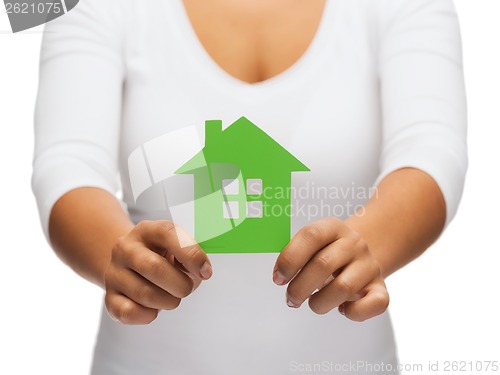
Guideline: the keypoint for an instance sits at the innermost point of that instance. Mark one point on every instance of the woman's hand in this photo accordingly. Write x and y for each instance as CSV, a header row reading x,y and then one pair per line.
x,y
150,271
328,255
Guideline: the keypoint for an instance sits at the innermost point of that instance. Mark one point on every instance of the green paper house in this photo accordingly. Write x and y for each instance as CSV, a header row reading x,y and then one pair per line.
x,y
242,189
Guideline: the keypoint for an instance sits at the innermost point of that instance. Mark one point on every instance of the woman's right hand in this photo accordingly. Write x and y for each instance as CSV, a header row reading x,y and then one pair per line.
x,y
149,271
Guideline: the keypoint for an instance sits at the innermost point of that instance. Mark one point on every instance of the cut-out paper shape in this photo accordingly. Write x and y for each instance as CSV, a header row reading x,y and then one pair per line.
x,y
242,189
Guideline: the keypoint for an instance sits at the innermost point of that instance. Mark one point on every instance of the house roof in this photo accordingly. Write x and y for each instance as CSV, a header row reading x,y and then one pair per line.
x,y
243,144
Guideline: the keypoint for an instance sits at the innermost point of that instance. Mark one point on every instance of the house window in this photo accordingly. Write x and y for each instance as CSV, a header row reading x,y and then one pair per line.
x,y
230,205
230,210
231,187
254,209
254,186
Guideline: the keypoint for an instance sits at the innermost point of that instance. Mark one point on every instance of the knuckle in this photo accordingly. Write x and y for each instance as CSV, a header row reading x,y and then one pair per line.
x,y
141,225
333,222
166,227
311,234
153,264
363,245
123,311
121,243
351,243
345,285
382,301
129,313
356,236
194,252
120,246
322,262
359,242
165,230
144,295
126,313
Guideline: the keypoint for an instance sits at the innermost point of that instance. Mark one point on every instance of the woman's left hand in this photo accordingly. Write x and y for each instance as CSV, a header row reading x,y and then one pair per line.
x,y
331,265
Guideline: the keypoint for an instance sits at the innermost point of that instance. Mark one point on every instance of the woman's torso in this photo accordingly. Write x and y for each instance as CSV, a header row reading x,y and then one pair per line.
x,y
319,101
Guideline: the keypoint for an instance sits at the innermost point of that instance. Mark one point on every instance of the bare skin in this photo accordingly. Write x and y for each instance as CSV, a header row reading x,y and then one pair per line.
x,y
255,40
398,224
144,270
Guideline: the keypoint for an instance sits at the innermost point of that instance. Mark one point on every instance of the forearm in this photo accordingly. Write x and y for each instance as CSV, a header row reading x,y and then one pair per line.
x,y
84,225
404,217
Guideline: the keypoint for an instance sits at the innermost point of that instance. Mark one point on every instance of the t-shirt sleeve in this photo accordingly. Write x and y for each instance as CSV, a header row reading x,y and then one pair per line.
x,y
77,115
423,94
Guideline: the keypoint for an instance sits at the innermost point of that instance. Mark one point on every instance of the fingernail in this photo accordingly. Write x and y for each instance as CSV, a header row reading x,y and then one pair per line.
x,y
206,270
278,278
342,309
292,305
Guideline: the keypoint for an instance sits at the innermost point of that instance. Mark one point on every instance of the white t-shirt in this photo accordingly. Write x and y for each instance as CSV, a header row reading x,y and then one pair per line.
x,y
125,89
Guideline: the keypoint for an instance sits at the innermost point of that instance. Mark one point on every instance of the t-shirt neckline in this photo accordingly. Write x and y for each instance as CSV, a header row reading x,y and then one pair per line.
x,y
201,60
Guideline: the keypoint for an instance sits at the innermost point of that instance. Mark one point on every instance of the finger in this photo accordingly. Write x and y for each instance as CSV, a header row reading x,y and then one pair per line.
x,y
318,271
142,291
195,279
166,237
126,311
303,245
374,303
157,269
330,278
344,287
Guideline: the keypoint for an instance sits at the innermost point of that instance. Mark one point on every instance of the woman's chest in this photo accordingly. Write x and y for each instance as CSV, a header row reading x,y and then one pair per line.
x,y
324,110
254,40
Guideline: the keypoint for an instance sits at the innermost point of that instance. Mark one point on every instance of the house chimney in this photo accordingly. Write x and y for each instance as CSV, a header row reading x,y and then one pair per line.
x,y
213,130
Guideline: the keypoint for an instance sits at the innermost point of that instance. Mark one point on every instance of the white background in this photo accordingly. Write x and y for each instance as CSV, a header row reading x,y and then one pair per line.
x,y
445,305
